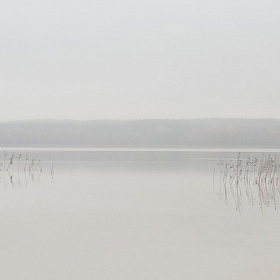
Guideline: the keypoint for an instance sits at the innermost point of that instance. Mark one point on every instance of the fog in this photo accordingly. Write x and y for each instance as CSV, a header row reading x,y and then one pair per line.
x,y
139,59
200,133
139,139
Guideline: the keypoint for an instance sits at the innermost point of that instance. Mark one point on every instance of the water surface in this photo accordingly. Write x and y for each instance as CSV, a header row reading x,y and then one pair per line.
x,y
125,215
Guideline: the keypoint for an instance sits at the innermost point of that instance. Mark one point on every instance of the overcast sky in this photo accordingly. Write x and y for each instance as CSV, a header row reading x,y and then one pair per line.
x,y
129,59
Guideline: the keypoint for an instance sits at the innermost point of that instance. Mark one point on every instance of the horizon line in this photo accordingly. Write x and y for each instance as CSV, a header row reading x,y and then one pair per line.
x,y
133,119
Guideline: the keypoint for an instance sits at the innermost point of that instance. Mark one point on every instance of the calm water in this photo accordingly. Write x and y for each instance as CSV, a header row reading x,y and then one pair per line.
x,y
125,215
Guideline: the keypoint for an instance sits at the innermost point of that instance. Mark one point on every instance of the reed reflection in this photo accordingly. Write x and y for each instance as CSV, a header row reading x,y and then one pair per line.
x,y
254,178
13,169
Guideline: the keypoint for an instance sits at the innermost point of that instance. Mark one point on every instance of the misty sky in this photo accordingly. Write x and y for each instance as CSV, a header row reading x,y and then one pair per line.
x,y
128,59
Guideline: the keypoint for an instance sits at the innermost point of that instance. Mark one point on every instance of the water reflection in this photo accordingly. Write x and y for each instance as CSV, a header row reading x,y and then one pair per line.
x,y
155,216
254,178
13,170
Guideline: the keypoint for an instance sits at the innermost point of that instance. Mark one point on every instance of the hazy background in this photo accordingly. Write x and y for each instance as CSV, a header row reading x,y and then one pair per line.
x,y
200,133
132,59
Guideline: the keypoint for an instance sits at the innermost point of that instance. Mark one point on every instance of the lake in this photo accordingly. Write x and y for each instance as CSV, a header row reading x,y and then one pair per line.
x,y
127,214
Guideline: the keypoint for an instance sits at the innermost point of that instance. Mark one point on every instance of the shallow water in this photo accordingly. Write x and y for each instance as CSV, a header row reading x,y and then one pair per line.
x,y
142,216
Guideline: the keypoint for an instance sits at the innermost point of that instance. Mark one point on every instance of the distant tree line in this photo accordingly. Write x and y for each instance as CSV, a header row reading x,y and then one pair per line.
x,y
143,133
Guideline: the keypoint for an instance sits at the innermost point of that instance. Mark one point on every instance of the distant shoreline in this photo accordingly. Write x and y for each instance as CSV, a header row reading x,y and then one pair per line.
x,y
144,134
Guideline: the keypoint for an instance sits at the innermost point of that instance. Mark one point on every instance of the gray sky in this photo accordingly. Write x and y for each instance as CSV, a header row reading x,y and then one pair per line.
x,y
88,59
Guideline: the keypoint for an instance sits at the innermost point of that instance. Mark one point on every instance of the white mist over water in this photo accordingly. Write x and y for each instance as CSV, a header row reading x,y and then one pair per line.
x,y
144,219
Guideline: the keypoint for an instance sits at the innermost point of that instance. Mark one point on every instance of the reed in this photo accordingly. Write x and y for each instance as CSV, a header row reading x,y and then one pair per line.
x,y
29,167
257,179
